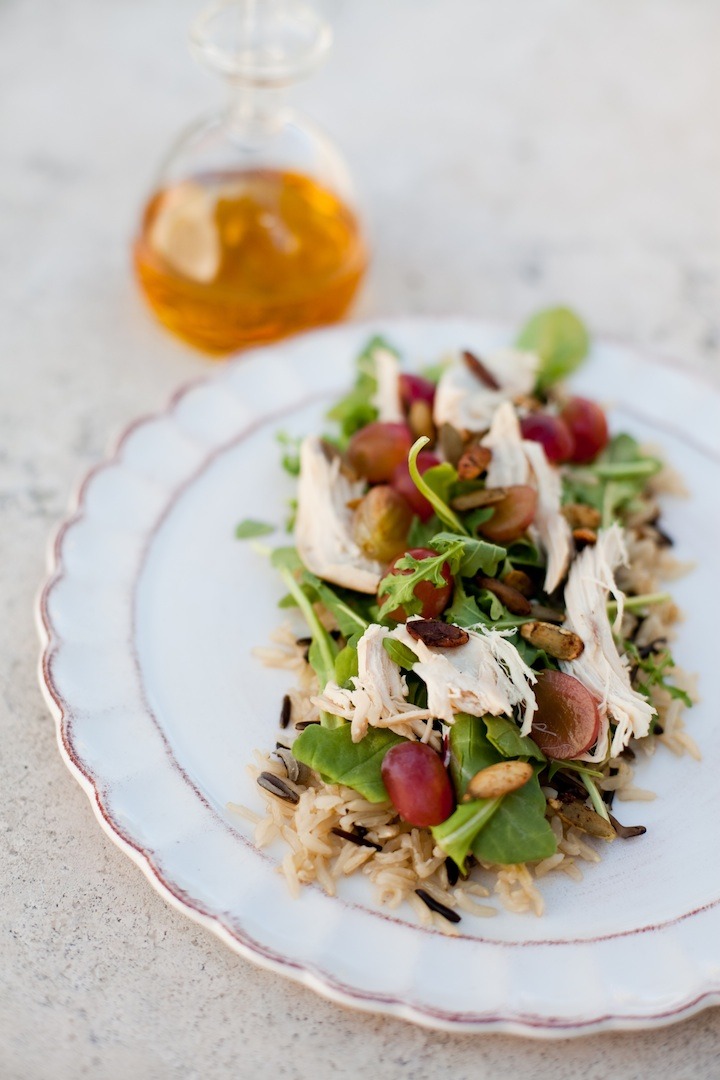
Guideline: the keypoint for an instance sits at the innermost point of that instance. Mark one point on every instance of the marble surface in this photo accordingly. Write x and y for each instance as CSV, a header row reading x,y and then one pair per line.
x,y
509,156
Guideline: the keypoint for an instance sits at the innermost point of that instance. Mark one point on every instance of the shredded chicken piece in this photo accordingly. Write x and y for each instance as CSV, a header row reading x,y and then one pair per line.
x,y
600,667
387,396
465,403
550,523
379,694
509,463
323,528
486,675
519,461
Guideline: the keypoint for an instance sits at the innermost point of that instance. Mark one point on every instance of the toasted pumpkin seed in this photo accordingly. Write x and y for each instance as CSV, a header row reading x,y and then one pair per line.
x,y
474,461
497,780
574,812
479,370
579,516
420,420
584,537
513,600
554,640
518,579
482,497
451,443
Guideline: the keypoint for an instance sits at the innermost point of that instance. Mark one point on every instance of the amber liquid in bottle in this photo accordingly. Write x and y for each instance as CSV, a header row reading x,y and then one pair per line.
x,y
233,259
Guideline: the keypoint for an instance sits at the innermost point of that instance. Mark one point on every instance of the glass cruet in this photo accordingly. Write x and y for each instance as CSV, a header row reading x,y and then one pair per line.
x,y
251,231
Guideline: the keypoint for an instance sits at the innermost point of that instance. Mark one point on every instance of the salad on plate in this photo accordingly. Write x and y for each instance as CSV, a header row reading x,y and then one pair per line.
x,y
478,564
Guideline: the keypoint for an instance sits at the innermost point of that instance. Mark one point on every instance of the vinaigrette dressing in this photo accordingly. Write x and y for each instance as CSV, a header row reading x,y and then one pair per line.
x,y
238,259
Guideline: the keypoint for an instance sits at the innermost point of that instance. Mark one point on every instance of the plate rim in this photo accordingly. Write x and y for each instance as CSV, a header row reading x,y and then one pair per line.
x,y
238,940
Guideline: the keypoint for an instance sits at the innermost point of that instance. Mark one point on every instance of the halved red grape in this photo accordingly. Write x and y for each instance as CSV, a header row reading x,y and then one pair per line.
x,y
418,784
403,482
434,598
588,425
376,450
567,720
512,516
552,433
415,388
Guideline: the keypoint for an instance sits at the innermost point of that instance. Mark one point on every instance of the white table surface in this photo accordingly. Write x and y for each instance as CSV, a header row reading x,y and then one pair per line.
x,y
510,155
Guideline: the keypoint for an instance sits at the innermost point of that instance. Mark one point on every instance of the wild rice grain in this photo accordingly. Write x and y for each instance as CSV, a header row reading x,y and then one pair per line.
x,y
286,711
355,838
277,786
434,905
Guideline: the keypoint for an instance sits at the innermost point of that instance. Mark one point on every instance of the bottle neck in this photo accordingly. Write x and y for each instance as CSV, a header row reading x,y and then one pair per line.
x,y
256,111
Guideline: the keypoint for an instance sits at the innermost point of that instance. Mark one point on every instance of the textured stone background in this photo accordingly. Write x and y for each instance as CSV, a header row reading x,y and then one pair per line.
x,y
509,155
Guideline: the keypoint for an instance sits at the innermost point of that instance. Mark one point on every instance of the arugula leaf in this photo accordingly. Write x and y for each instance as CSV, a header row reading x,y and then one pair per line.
x,y
524,553
290,459
477,517
505,736
399,654
443,511
356,409
519,832
460,831
614,480
561,341
248,529
491,606
339,760
323,650
434,372
399,589
349,621
475,555
657,669
346,665
286,558
463,610
531,655
422,532
441,479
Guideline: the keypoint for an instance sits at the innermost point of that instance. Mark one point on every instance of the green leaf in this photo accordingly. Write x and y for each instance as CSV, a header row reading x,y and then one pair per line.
x,y
494,608
356,409
443,511
524,553
399,654
459,832
290,459
422,532
614,480
349,621
286,558
507,830
346,666
476,555
505,736
464,610
519,832
531,655
561,341
441,479
323,650
333,754
248,529
657,671
399,589
470,750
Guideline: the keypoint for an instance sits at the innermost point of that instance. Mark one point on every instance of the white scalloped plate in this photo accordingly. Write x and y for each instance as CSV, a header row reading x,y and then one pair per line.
x,y
148,620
